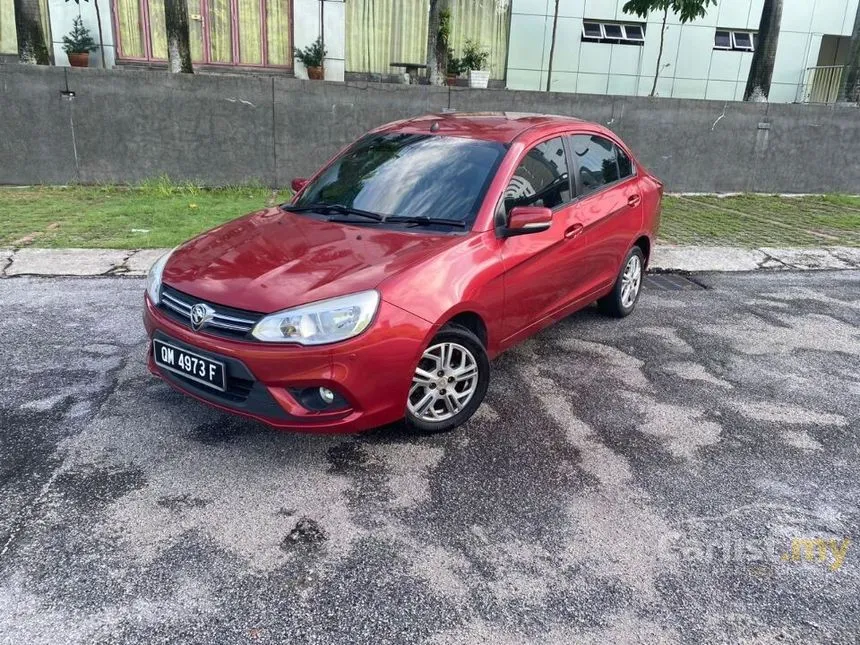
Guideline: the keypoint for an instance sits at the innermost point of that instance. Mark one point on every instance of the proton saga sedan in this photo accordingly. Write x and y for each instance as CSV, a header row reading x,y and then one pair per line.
x,y
396,273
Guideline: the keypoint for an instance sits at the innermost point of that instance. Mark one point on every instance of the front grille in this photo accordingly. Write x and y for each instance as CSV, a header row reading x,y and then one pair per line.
x,y
237,390
226,321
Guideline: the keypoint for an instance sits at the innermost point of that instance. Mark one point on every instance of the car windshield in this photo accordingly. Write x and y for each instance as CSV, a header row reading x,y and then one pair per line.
x,y
408,175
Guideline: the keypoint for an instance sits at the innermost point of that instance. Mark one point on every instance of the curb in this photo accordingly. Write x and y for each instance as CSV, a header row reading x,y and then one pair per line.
x,y
665,258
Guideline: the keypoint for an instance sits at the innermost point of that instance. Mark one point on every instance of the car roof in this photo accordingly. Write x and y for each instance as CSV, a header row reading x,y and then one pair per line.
x,y
503,127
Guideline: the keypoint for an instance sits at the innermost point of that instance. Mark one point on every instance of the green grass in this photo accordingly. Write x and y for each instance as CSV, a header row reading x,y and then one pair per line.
x,y
161,214
762,220
154,215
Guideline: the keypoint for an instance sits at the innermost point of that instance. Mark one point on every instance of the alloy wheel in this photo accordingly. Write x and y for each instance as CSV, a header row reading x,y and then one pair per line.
x,y
444,382
631,280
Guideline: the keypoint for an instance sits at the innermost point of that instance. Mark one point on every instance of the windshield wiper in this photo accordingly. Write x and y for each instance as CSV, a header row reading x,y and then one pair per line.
x,y
340,209
423,220
332,208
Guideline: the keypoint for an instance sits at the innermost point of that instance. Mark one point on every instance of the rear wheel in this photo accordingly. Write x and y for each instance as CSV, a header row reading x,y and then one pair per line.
x,y
450,381
622,299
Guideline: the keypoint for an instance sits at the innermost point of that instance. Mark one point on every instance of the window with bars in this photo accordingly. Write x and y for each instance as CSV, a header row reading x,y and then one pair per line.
x,y
731,40
614,33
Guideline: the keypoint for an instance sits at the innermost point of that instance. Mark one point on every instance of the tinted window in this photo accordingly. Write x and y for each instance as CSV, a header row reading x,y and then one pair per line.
x,y
722,40
634,32
592,30
541,179
410,175
613,31
625,166
595,157
743,41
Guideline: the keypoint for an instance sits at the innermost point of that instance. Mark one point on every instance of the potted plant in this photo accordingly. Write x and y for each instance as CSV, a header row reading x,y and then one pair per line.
x,y
78,44
475,60
312,58
454,68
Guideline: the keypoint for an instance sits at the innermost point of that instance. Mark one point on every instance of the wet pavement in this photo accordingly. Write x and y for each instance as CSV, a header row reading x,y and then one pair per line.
x,y
687,474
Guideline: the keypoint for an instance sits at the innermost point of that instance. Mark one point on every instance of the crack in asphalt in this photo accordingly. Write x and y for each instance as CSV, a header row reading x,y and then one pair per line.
x,y
122,267
8,263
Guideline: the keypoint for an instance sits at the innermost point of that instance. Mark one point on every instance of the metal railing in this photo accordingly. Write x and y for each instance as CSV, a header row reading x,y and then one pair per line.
x,y
821,84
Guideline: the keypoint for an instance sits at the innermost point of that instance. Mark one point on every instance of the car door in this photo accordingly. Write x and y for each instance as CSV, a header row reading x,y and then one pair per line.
x,y
535,283
608,211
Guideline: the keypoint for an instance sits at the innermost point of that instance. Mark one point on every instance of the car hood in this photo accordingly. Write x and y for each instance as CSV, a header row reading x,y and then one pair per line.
x,y
271,260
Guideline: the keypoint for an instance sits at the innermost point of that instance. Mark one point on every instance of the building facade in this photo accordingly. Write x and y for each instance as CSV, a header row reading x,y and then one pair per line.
x,y
597,53
598,48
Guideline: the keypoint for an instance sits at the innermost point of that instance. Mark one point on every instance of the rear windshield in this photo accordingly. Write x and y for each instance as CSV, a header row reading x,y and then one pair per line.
x,y
410,175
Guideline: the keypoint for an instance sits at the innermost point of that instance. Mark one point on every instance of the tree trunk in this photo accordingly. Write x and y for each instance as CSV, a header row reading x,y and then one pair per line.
x,y
101,35
660,51
31,39
851,72
552,46
178,45
437,51
761,69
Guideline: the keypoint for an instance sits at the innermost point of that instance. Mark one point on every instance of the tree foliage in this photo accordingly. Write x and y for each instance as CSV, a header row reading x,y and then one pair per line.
x,y
687,10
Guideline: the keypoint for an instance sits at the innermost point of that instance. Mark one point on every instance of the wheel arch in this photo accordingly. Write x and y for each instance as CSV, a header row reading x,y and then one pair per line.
x,y
644,243
472,321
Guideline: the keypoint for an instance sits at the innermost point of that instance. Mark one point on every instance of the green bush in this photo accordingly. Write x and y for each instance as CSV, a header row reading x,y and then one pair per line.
x,y
474,57
79,40
313,55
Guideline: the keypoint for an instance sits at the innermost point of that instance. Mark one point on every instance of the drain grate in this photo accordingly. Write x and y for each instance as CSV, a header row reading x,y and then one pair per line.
x,y
671,282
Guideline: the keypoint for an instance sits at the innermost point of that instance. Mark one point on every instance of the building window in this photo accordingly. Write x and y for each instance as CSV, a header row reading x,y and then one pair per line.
x,y
253,33
613,33
380,32
742,41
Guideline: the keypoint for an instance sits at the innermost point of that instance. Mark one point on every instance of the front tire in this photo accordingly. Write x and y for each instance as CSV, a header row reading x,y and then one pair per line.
x,y
449,383
621,301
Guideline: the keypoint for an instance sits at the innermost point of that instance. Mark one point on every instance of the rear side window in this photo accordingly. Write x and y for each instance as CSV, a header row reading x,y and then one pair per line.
x,y
599,161
542,177
625,166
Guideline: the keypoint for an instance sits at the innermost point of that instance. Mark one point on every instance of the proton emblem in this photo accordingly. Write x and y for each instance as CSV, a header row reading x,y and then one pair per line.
x,y
200,315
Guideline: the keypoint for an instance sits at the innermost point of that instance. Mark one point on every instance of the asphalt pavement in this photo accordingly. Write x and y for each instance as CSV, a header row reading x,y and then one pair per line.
x,y
687,474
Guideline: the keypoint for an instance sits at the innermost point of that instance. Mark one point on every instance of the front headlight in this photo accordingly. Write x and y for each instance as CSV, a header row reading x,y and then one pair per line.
x,y
153,278
326,321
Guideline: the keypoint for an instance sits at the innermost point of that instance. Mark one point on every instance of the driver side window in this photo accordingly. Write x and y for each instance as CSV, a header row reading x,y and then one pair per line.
x,y
541,179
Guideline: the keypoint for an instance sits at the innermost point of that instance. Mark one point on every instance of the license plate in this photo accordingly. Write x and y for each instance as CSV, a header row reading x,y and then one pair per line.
x,y
190,365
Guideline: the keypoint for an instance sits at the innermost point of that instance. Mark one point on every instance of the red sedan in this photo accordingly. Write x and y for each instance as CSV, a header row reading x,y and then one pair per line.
x,y
409,261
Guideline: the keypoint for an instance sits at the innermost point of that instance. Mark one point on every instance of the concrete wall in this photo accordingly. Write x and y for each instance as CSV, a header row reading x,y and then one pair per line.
x,y
126,126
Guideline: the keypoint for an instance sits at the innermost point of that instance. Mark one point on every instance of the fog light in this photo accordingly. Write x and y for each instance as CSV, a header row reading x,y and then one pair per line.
x,y
326,395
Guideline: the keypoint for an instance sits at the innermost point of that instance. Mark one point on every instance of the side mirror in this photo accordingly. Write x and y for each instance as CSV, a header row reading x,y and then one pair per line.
x,y
298,183
527,219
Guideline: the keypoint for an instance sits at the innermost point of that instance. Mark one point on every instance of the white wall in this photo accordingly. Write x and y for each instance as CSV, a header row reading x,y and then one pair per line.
x,y
306,29
690,67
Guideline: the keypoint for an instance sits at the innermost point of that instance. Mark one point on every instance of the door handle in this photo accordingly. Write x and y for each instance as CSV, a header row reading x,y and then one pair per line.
x,y
572,231
633,200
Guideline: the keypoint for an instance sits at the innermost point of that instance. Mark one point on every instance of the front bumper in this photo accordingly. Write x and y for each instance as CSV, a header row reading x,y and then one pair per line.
x,y
371,372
